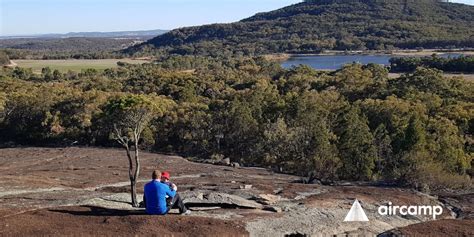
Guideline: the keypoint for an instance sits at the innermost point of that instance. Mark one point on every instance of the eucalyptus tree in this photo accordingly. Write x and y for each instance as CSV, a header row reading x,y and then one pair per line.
x,y
129,116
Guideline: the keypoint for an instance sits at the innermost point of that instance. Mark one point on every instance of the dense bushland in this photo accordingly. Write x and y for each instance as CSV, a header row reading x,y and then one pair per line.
x,y
351,124
457,64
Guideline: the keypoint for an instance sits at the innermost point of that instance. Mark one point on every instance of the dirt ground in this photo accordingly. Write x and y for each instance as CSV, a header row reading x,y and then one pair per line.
x,y
84,191
438,228
105,222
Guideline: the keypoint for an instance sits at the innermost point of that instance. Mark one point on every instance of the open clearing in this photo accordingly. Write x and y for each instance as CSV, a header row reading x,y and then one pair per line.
x,y
74,64
60,191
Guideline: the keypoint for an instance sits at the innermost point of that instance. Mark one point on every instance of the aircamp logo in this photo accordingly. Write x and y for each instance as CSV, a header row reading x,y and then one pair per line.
x,y
391,209
356,214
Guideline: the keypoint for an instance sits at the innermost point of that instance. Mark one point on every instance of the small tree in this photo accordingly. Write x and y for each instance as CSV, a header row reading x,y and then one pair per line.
x,y
128,117
356,146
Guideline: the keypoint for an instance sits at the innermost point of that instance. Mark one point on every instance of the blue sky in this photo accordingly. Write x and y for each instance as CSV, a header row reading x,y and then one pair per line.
x,y
62,16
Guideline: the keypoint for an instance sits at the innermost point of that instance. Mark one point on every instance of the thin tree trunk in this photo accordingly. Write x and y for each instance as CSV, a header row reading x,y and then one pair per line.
x,y
133,180
133,187
135,176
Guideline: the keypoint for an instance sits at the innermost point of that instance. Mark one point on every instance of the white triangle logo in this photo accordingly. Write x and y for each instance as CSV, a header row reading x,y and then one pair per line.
x,y
356,213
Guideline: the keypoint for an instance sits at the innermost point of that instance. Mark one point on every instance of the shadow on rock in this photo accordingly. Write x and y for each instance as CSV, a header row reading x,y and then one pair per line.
x,y
100,211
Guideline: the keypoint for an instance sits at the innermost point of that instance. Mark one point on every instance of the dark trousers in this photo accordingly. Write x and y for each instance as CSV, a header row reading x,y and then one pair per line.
x,y
176,202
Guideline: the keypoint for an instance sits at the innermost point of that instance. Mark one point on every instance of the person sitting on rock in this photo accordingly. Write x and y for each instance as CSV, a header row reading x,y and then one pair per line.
x,y
154,197
165,178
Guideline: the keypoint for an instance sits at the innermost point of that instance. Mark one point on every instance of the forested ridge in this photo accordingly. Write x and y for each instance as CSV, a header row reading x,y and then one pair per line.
x,y
351,124
316,25
65,48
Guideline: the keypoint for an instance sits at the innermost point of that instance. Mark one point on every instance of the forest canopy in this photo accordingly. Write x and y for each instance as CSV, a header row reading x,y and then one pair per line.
x,y
352,124
463,64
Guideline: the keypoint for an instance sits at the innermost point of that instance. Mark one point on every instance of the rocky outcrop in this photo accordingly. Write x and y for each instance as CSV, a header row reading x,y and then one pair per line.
x,y
218,199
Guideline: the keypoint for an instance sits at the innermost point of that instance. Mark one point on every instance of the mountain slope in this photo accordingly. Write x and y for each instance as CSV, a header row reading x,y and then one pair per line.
x,y
315,25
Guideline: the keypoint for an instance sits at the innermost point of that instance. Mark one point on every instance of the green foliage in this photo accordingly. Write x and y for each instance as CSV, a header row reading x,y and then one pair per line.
x,y
447,146
384,149
414,135
314,26
457,64
353,124
431,81
356,146
128,116
306,148
3,101
431,176
30,114
4,59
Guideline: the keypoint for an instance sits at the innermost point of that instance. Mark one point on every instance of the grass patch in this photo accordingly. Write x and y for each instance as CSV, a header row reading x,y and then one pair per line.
x,y
74,64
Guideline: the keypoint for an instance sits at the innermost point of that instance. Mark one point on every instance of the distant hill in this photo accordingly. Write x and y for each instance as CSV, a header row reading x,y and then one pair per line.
x,y
315,25
51,46
115,34
74,45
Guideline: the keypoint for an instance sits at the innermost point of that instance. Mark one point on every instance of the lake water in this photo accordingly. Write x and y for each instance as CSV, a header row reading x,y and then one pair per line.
x,y
334,62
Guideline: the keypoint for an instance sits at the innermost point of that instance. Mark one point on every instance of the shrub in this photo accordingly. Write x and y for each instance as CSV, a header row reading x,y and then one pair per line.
x,y
431,177
4,60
